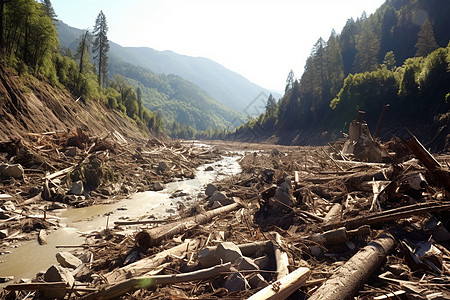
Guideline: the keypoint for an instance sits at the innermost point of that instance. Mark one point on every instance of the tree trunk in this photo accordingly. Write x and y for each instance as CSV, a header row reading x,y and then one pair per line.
x,y
283,287
345,283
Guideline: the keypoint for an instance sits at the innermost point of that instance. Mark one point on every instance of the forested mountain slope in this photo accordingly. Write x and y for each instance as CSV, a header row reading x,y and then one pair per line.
x,y
227,87
399,56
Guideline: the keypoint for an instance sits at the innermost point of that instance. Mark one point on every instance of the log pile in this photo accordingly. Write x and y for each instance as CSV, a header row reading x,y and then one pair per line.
x,y
299,222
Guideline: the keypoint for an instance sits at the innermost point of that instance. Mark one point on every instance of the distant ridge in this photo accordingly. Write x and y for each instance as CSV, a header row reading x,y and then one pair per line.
x,y
227,87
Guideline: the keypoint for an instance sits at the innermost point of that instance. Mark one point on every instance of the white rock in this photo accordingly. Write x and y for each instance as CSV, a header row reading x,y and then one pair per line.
x,y
228,252
68,260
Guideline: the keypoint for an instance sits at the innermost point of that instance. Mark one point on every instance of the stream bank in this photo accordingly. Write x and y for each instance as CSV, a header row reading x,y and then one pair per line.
x,y
29,258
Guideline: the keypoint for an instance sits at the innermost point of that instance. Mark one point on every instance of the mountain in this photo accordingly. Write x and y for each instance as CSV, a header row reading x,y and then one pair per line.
x,y
227,87
176,98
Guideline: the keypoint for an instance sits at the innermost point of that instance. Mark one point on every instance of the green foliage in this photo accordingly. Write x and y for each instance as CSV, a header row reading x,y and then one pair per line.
x,y
328,96
181,101
28,37
426,42
367,47
389,60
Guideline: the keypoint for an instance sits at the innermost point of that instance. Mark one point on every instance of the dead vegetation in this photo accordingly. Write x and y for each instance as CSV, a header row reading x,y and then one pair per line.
x,y
334,222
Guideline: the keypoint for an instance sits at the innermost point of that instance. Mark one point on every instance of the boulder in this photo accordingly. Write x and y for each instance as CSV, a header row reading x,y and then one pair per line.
x,y
157,186
283,193
236,282
245,263
208,257
221,198
68,260
228,252
257,281
14,171
210,189
57,274
77,188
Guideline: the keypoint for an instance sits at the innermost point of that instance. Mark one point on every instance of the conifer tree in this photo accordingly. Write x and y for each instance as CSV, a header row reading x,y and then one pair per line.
x,y
271,107
389,60
101,47
49,11
367,46
289,81
426,42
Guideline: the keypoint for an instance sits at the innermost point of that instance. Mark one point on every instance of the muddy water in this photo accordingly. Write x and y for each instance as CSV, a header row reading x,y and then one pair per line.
x,y
30,258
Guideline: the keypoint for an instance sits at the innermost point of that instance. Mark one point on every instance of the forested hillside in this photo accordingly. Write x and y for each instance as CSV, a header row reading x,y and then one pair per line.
x,y
397,56
176,98
227,87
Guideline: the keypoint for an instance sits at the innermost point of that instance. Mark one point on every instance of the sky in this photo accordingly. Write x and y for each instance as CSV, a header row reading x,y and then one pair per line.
x,y
259,39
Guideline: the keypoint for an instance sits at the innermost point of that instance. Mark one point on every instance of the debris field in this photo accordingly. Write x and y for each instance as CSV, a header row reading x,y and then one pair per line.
x,y
357,219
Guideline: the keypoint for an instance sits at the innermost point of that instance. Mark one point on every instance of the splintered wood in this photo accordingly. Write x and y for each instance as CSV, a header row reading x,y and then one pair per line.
x,y
300,222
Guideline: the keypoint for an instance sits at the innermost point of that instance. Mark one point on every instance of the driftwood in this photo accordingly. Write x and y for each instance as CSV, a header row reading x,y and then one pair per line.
x,y
147,264
344,284
335,213
42,237
133,284
281,257
283,287
440,175
141,222
158,234
47,286
390,215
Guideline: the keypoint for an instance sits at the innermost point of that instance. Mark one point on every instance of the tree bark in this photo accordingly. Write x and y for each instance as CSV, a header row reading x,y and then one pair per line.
x,y
147,264
283,287
345,283
158,234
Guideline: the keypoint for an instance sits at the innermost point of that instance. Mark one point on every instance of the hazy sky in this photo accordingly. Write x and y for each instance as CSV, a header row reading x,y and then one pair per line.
x,y
259,39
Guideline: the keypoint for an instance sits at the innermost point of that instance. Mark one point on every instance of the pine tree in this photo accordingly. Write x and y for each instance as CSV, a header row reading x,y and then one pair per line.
x,y
426,42
49,11
389,60
289,81
367,46
101,48
271,107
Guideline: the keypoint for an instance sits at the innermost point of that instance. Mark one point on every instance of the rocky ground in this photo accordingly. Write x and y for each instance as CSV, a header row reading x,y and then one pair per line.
x,y
303,212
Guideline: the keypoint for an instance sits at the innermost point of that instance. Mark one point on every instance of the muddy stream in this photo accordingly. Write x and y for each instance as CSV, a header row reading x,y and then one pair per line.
x,y
29,258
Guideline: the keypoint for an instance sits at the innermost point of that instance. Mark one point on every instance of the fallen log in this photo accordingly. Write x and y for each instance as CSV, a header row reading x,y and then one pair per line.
x,y
145,265
440,175
335,213
281,257
158,234
141,222
390,215
344,284
117,290
47,286
283,287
